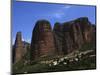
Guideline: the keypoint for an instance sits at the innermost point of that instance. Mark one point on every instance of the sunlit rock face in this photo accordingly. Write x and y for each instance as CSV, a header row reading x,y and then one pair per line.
x,y
73,38
42,43
70,36
18,50
86,28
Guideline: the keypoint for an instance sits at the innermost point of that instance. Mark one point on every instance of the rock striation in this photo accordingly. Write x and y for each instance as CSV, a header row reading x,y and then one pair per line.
x,y
18,49
42,43
58,37
65,38
70,36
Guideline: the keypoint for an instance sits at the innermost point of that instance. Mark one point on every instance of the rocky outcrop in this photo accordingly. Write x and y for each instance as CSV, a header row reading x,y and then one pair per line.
x,y
94,34
58,37
26,47
18,49
86,28
62,40
70,36
42,43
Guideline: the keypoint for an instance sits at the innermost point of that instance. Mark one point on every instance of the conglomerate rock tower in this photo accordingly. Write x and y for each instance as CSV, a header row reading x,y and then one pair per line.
x,y
42,43
62,40
18,49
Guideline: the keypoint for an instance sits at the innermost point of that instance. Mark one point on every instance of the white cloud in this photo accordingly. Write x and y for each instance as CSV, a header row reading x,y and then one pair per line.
x,y
61,12
13,40
28,40
23,39
67,7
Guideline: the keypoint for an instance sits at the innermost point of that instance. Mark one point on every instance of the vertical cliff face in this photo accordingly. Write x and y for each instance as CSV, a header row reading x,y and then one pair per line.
x,y
18,49
94,34
86,28
58,37
63,39
70,36
42,43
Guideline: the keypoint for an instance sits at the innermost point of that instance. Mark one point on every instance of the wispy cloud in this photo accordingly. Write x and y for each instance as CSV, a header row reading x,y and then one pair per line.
x,y
23,39
67,7
61,12
28,40
13,40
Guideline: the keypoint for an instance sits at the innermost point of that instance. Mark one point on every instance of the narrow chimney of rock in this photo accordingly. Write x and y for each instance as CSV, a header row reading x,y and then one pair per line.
x,y
18,47
18,38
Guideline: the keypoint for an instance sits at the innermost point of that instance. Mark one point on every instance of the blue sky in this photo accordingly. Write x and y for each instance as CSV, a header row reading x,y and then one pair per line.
x,y
25,15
